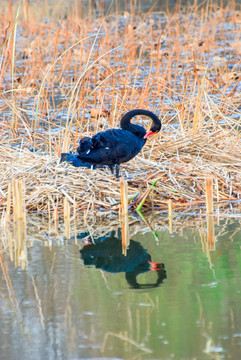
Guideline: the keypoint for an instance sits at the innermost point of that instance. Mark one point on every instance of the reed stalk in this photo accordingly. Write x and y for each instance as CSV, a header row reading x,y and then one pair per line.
x,y
170,216
67,218
210,233
209,195
124,215
13,61
19,223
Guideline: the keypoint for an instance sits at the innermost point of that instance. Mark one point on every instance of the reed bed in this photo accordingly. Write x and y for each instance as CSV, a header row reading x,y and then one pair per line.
x,y
178,168
67,78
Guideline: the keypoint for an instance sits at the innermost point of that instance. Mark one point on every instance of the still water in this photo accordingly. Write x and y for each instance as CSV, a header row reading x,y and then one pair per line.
x,y
173,296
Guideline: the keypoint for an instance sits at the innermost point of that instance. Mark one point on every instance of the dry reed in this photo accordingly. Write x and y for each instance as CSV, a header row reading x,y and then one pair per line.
x,y
14,227
170,215
79,80
209,195
124,215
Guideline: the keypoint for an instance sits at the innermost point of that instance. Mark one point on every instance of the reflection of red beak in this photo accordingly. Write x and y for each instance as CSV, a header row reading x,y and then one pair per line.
x,y
87,242
155,266
149,132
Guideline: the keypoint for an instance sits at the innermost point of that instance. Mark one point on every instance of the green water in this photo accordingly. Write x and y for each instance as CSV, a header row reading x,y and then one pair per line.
x,y
59,308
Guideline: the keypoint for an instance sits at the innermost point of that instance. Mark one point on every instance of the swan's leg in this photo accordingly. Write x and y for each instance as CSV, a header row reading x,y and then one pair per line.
x,y
111,167
117,171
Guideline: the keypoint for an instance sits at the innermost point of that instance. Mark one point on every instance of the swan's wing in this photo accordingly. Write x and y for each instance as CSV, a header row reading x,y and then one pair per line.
x,y
120,151
110,147
84,145
109,138
119,144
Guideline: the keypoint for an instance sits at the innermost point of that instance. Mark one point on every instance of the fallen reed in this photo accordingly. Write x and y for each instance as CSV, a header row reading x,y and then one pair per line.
x,y
178,173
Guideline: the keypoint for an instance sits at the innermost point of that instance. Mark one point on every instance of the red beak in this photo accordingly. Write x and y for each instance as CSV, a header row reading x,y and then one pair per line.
x,y
149,132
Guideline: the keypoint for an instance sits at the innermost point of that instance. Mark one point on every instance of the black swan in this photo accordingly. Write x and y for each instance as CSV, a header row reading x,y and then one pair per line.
x,y
115,146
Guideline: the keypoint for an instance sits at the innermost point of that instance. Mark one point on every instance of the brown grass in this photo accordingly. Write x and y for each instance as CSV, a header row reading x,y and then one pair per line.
x,y
76,76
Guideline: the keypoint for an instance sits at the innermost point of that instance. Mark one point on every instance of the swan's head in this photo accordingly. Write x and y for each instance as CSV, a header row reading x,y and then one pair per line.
x,y
153,130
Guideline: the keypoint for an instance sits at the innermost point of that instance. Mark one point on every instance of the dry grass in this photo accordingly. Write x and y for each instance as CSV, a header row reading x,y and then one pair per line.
x,y
74,77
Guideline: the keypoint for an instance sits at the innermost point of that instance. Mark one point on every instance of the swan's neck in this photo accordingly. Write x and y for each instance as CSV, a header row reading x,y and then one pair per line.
x,y
126,119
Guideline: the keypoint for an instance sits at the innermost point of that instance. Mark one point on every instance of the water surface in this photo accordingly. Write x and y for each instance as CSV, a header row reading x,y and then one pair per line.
x,y
60,308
